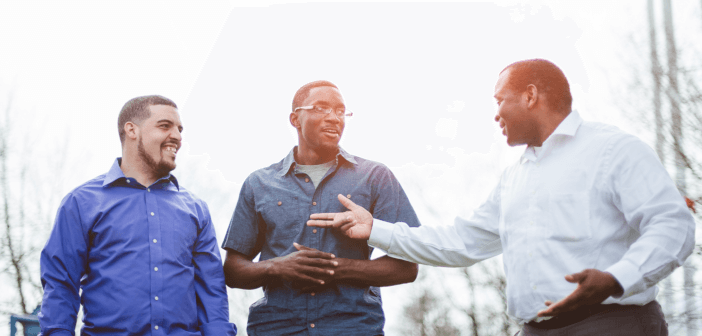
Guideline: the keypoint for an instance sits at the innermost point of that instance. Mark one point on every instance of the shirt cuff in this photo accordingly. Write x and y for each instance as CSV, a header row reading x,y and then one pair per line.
x,y
218,328
628,276
381,234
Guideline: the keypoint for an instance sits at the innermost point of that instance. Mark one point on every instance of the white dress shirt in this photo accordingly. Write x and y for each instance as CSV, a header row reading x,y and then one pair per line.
x,y
593,197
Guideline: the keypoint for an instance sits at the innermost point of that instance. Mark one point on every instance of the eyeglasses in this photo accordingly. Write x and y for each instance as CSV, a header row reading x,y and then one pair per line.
x,y
325,110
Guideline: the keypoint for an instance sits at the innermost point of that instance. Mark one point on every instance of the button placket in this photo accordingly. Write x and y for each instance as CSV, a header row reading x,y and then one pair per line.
x,y
156,257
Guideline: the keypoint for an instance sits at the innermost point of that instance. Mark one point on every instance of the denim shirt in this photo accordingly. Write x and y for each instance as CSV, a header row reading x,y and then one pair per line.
x,y
273,207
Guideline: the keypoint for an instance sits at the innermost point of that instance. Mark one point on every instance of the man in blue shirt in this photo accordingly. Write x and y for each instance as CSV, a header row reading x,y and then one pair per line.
x,y
140,247
316,281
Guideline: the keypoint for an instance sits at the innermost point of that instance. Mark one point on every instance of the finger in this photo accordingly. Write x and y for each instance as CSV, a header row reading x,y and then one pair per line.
x,y
347,202
575,277
326,263
346,226
328,216
303,248
312,253
315,272
320,223
571,302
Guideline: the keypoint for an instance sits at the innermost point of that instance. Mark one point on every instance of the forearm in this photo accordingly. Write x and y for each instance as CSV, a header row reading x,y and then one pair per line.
x,y
459,245
246,274
384,271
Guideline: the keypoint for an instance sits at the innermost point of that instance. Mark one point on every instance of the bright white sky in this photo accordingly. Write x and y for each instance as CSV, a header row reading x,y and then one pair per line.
x,y
418,76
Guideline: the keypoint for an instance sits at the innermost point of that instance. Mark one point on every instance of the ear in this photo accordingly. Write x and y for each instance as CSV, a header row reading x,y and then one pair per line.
x,y
532,96
131,130
295,120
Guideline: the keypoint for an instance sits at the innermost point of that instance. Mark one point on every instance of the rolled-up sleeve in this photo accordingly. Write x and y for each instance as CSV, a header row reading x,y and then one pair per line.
x,y
210,290
62,262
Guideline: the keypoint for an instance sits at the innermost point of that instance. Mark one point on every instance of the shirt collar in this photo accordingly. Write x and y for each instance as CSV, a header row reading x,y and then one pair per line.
x,y
289,161
568,127
115,173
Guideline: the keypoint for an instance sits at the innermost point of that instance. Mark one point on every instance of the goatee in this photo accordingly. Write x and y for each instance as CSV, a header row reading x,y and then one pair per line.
x,y
161,168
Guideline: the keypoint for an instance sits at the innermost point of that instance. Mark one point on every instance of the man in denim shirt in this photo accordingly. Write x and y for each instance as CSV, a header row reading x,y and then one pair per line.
x,y
316,281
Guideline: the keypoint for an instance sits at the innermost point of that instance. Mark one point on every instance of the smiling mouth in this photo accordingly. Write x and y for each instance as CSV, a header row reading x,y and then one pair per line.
x,y
330,131
171,148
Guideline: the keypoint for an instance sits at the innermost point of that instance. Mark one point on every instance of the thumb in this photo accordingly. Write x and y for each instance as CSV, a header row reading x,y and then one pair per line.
x,y
347,202
300,247
575,277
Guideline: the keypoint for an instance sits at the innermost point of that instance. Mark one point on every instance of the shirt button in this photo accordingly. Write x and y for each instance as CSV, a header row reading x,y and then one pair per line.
x,y
156,269
155,241
156,298
534,287
314,203
348,196
128,181
152,214
280,203
312,294
312,325
314,231
156,327
531,222
307,179
148,189
533,192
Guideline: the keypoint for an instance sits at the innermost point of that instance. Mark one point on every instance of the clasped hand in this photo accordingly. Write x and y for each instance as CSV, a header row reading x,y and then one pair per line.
x,y
307,268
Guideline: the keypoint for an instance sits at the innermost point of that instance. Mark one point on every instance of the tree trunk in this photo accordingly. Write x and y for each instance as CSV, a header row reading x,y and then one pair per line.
x,y
674,96
657,74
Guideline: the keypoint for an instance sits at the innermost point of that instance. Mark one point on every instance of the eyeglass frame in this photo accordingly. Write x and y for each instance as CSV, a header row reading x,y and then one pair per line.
x,y
312,108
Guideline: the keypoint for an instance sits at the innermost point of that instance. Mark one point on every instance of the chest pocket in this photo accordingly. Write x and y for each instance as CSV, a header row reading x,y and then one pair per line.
x,y
363,200
283,215
569,208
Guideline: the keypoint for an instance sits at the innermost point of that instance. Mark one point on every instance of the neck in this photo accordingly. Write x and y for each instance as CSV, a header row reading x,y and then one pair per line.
x,y
308,156
134,167
548,124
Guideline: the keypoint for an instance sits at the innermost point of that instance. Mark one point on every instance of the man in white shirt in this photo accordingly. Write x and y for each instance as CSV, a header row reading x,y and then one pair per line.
x,y
585,201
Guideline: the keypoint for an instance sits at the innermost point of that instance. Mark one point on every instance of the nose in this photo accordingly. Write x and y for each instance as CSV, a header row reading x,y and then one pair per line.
x,y
175,134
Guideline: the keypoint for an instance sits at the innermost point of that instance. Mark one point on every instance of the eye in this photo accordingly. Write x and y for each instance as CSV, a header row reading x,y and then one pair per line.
x,y
320,108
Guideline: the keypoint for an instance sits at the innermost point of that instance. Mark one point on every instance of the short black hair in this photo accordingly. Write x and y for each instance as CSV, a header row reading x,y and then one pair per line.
x,y
547,78
304,92
137,110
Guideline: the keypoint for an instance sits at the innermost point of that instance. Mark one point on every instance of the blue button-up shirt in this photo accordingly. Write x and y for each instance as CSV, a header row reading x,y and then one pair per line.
x,y
146,259
273,208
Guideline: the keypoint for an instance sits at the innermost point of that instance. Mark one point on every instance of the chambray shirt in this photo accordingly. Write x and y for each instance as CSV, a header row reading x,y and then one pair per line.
x,y
273,208
146,259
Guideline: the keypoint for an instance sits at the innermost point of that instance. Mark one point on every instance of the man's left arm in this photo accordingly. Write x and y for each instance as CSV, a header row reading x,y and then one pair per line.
x,y
210,291
651,204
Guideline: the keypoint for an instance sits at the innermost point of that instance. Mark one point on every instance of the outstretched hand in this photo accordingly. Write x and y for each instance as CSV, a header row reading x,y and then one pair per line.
x,y
594,286
355,223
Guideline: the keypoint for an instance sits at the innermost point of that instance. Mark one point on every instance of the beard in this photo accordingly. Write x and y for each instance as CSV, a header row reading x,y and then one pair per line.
x,y
160,168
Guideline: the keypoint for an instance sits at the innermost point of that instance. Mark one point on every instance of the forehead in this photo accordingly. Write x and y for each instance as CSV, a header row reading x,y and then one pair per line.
x,y
164,112
326,94
501,85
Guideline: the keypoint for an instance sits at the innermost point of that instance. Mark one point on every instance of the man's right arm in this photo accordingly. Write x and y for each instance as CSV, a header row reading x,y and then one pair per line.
x,y
462,244
63,262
